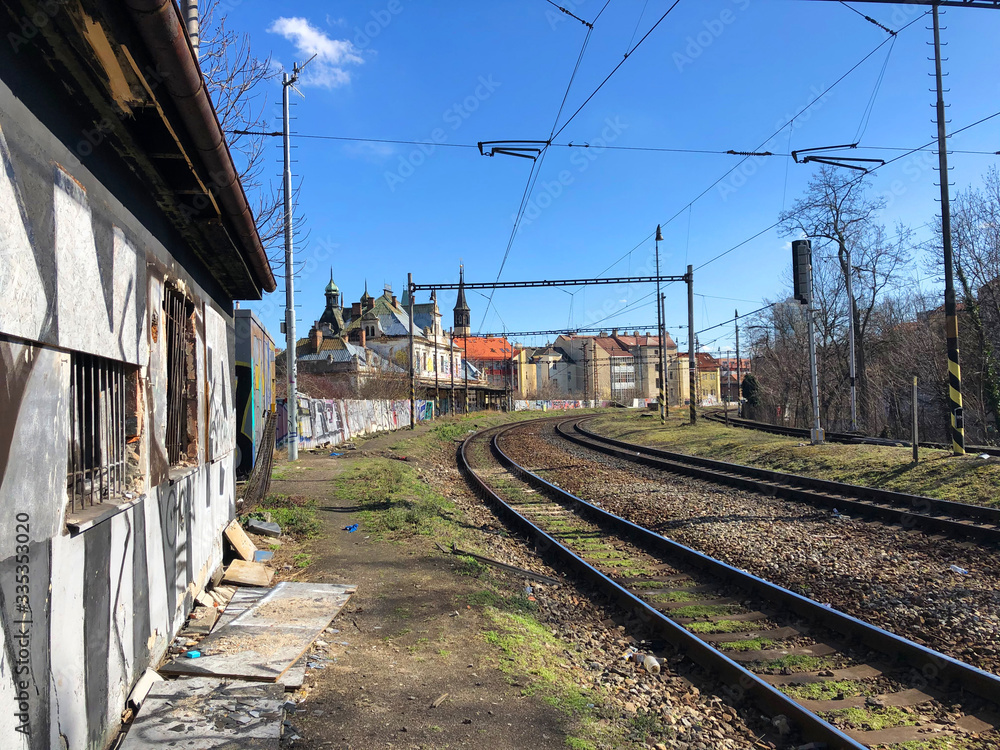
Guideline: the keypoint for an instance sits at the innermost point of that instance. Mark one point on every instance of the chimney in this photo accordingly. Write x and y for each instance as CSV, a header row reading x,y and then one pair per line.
x,y
635,333
394,301
363,338
317,337
614,331
371,304
355,309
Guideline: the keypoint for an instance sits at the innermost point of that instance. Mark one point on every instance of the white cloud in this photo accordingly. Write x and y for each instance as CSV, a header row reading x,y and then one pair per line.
x,y
332,55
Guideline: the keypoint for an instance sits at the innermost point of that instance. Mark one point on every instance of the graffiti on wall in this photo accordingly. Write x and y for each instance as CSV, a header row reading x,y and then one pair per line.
x,y
337,421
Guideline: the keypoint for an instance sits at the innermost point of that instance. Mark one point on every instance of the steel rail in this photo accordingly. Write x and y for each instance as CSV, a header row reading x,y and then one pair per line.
x,y
843,437
741,682
912,511
927,666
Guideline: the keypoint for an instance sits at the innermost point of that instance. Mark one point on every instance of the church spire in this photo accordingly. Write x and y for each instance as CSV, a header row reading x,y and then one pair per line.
x,y
462,312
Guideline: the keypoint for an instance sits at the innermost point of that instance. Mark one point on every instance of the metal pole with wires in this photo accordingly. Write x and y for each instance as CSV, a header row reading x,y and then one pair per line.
x,y
659,331
287,81
950,308
692,362
413,389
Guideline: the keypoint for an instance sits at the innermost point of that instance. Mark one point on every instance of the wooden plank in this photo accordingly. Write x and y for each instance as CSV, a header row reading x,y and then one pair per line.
x,y
242,573
267,636
240,541
202,620
208,714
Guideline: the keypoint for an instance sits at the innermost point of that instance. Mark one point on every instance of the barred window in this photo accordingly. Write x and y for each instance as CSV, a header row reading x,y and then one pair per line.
x,y
102,409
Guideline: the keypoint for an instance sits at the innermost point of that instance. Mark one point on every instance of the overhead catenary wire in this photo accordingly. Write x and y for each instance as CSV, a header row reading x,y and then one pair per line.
x,y
766,140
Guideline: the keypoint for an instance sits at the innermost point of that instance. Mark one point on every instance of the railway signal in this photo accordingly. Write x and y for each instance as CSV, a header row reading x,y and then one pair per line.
x,y
802,272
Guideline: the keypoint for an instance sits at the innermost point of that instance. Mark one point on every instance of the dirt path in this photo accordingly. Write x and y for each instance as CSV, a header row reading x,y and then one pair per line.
x,y
405,645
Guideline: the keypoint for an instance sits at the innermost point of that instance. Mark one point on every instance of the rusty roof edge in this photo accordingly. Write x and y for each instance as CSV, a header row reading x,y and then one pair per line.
x,y
160,25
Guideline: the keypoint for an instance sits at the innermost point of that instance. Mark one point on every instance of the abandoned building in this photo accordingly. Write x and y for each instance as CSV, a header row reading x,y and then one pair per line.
x,y
125,237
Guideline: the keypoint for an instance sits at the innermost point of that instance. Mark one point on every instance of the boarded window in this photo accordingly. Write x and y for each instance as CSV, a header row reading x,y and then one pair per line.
x,y
182,424
103,420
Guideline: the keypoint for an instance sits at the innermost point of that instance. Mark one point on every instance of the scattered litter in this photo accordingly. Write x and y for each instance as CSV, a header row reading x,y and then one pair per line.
x,y
984,456
351,529
262,555
264,528
960,571
439,700
192,654
336,454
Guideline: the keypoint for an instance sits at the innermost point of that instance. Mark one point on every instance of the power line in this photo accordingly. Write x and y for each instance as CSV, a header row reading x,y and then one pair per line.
x,y
615,69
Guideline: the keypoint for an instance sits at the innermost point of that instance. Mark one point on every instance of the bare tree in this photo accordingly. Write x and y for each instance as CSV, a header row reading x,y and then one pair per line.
x,y
239,84
976,244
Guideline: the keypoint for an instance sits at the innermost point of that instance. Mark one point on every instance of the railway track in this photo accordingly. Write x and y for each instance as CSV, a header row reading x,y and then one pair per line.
x,y
798,660
839,437
912,511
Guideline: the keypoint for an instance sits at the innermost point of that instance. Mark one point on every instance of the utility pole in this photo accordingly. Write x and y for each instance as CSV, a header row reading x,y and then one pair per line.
x,y
465,369
950,308
413,388
451,370
692,364
739,368
663,357
659,328
852,375
914,437
434,325
291,364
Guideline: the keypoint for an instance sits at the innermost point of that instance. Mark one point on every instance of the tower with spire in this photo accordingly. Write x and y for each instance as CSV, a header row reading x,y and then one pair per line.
x,y
333,316
462,312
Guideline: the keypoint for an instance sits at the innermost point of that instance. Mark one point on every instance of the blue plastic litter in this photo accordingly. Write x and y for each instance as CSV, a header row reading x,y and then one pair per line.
x,y
192,654
351,529
336,454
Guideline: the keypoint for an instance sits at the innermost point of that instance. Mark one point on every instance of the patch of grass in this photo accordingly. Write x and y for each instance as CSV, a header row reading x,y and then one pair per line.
x,y
674,596
825,691
297,516
302,560
800,663
395,501
721,626
505,602
705,610
279,472
575,743
470,566
750,644
939,474
527,649
872,719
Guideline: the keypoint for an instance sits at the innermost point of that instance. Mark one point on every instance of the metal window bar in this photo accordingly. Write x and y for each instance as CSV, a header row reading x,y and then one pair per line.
x,y
97,431
174,305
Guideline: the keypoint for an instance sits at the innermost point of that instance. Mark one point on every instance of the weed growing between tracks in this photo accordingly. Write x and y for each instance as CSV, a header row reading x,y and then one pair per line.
x,y
966,479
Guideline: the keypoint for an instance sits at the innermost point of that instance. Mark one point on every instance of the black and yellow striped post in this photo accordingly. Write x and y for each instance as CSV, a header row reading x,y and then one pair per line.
x,y
957,427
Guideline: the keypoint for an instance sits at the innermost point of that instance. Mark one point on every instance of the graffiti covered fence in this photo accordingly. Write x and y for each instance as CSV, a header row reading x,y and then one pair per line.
x,y
337,421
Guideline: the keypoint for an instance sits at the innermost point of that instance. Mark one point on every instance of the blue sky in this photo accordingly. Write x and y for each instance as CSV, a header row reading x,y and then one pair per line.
x,y
714,75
